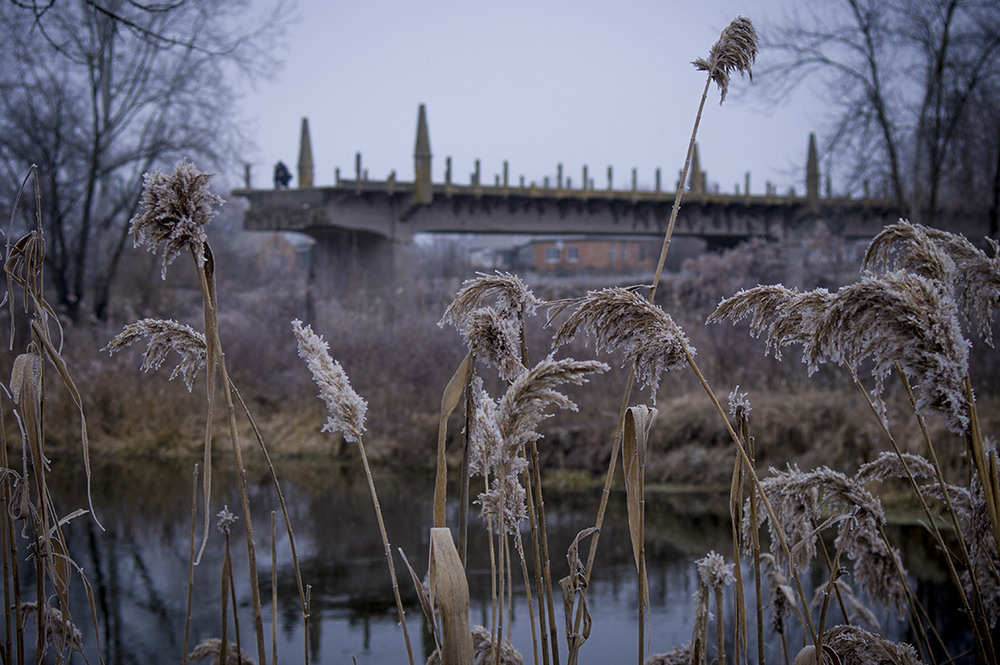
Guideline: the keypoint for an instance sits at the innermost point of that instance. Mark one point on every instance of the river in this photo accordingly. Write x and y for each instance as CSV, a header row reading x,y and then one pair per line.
x,y
138,565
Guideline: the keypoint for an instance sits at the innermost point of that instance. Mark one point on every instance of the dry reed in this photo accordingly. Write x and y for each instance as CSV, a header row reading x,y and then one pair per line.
x,y
736,51
513,299
175,210
949,258
620,319
796,497
894,319
173,213
346,414
212,648
714,574
850,645
164,336
905,319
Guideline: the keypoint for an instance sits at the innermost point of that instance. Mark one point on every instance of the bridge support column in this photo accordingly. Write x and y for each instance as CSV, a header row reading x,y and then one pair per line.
x,y
353,264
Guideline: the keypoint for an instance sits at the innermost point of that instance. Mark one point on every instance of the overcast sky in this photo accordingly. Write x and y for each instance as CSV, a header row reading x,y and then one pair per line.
x,y
535,82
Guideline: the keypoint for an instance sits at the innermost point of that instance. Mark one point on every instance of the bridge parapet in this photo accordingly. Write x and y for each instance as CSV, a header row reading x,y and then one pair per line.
x,y
389,209
394,210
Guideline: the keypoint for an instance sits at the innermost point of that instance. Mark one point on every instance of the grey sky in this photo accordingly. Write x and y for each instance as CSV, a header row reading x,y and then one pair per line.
x,y
536,83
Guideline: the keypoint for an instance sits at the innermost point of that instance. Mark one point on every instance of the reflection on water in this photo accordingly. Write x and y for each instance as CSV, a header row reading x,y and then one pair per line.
x,y
139,565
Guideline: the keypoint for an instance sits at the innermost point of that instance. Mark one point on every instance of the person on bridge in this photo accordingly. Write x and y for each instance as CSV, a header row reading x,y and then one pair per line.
x,y
282,176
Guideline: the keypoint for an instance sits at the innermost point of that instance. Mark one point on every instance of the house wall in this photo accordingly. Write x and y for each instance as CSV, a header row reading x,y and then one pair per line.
x,y
595,254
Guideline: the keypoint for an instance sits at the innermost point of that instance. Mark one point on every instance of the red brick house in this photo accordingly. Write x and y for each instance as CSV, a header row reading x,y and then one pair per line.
x,y
595,253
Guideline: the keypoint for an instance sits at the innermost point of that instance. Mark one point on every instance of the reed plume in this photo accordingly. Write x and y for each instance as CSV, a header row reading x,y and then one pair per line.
x,y
973,277
855,609
501,430
780,593
213,648
496,339
714,574
174,211
788,316
620,319
59,631
906,246
346,414
890,465
164,336
796,497
735,51
893,319
513,299
678,656
483,652
345,408
739,405
855,646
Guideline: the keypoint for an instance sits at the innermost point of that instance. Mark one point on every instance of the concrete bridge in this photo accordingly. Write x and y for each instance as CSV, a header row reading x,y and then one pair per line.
x,y
359,221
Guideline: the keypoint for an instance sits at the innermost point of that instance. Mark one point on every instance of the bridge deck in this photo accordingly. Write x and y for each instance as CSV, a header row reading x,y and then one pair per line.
x,y
391,209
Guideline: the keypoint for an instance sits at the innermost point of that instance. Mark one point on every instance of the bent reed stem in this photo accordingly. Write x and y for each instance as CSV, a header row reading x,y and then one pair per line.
x,y
981,642
210,298
741,451
281,497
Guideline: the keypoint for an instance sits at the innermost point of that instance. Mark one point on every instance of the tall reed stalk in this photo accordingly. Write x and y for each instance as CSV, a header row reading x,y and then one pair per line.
x,y
27,496
174,212
735,51
346,414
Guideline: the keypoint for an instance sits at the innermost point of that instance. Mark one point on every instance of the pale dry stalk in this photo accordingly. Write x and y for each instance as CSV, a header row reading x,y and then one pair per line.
x,y
346,413
8,545
191,561
212,328
982,636
173,213
739,409
274,596
501,432
939,477
281,501
735,51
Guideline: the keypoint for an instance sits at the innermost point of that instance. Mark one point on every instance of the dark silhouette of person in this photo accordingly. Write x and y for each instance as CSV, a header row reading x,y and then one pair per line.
x,y
282,176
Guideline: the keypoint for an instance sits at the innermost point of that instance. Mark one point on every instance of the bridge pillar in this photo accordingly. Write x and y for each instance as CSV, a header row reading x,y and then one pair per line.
x,y
305,156
423,191
349,263
812,176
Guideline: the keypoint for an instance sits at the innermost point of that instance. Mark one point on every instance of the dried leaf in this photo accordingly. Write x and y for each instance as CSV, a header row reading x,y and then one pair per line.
x,y
574,586
57,361
451,591
449,400
26,376
638,420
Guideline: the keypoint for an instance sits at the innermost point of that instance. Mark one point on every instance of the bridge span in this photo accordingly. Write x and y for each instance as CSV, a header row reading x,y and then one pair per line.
x,y
359,221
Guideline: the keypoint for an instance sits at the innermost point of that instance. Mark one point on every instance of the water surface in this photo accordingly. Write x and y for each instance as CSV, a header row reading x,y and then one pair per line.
x,y
139,565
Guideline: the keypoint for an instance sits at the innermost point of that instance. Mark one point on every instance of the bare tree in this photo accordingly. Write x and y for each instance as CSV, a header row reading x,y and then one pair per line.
x,y
903,79
98,93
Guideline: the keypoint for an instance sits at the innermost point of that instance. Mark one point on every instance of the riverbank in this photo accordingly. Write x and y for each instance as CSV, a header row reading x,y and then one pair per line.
x,y
688,443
